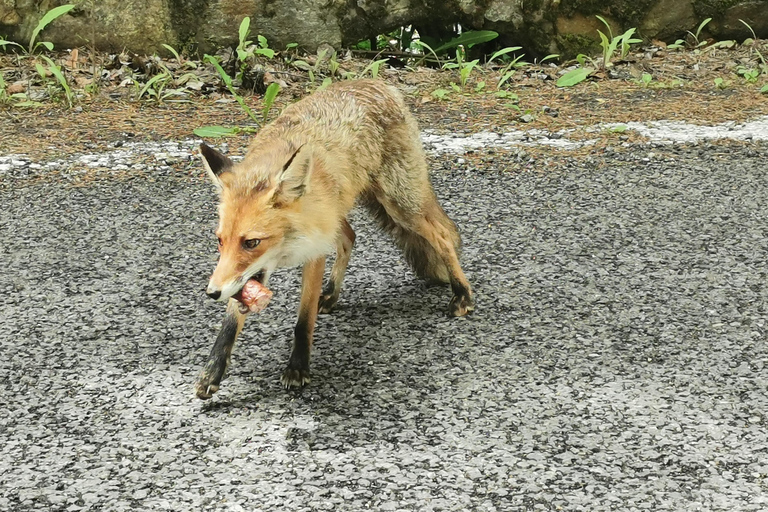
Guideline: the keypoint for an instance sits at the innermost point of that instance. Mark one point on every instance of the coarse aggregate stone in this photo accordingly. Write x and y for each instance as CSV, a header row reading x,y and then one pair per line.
x,y
616,359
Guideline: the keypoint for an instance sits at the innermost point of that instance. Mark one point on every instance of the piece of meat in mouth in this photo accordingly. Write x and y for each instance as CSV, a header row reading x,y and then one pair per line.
x,y
254,296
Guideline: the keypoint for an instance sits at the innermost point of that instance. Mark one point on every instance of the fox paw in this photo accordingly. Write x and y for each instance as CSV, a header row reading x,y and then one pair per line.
x,y
293,378
326,304
461,305
204,389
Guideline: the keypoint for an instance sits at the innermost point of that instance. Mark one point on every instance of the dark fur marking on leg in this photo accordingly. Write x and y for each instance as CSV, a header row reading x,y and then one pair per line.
x,y
218,360
297,373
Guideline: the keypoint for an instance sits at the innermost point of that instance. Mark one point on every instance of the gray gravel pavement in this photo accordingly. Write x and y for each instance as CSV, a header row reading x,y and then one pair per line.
x,y
616,360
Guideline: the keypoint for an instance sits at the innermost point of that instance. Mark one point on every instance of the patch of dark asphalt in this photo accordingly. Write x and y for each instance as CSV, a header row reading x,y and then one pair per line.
x,y
617,358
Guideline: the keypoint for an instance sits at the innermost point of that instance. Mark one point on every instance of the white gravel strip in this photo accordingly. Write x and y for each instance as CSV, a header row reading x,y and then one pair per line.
x,y
168,153
677,131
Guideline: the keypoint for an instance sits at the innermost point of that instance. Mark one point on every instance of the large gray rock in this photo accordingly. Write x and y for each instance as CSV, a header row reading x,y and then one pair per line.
x,y
542,26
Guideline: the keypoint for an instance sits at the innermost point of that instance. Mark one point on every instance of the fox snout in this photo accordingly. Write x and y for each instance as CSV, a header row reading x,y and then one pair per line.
x,y
222,292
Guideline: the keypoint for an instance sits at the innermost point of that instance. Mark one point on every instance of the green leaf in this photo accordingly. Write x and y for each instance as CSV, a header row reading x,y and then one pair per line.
x,y
46,19
619,128
28,104
574,77
302,65
4,43
440,93
326,82
269,98
267,52
507,95
764,90
216,131
245,26
41,71
468,39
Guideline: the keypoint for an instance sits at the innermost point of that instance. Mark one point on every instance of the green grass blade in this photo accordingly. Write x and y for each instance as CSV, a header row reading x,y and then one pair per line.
x,y
549,57
610,32
56,70
173,51
223,74
698,30
46,19
425,45
228,82
503,51
149,84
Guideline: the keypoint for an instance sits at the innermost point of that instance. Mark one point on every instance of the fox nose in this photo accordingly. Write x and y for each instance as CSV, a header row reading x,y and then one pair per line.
x,y
214,294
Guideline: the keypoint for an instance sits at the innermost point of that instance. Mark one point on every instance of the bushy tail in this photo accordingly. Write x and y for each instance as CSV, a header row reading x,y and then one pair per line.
x,y
419,253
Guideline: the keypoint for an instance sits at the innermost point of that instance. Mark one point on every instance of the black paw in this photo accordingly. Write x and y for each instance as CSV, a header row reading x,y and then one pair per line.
x,y
327,299
205,388
210,378
326,304
461,305
294,378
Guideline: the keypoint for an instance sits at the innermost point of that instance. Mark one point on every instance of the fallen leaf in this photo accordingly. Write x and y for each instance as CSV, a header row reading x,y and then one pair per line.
x,y
82,81
17,87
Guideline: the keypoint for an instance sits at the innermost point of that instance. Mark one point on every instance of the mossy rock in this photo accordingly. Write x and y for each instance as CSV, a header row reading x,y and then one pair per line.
x,y
627,12
711,8
571,45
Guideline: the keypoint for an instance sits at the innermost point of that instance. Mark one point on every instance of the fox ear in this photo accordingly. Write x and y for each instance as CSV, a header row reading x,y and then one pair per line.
x,y
293,179
215,163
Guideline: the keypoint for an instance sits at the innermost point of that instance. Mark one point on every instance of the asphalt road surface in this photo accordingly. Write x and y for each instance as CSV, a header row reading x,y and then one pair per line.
x,y
616,360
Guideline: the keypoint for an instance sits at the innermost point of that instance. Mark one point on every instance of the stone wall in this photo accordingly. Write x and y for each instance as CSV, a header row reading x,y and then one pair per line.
x,y
542,26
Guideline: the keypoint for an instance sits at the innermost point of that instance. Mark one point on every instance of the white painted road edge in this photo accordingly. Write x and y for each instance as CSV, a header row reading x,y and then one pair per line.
x,y
435,143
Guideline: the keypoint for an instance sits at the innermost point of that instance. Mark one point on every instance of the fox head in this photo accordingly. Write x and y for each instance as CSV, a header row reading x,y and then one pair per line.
x,y
259,200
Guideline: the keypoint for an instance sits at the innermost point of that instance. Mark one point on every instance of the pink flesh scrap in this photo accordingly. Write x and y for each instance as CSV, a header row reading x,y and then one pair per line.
x,y
254,297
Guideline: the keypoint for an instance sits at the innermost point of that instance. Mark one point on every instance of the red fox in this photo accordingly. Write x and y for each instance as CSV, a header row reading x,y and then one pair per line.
x,y
286,204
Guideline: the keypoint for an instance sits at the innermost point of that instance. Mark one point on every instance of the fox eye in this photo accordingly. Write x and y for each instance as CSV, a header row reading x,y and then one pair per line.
x,y
251,244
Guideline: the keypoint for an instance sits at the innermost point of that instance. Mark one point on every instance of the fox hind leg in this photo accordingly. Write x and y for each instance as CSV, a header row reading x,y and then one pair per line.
x,y
430,242
344,245
442,238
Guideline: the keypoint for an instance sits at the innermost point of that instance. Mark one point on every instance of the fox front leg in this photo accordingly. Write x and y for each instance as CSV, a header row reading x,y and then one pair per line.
x,y
213,372
297,373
